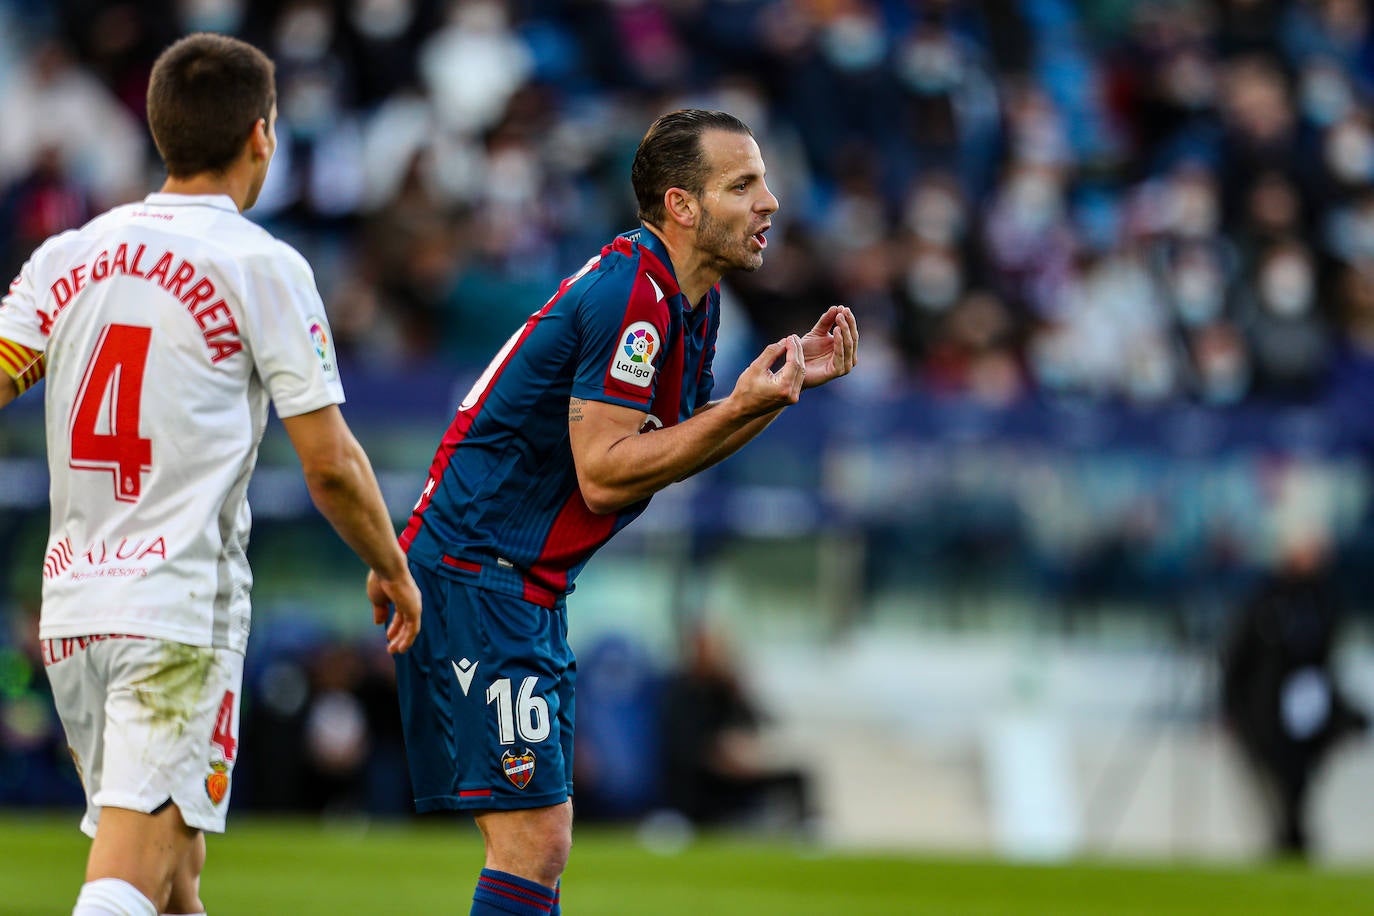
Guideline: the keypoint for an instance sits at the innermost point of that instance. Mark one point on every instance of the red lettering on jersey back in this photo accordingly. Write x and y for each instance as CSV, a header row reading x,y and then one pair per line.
x,y
185,271
203,291
138,256
193,291
223,349
204,316
159,271
61,293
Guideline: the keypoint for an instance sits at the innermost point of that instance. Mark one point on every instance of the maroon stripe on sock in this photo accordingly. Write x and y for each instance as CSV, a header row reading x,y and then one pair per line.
x,y
538,898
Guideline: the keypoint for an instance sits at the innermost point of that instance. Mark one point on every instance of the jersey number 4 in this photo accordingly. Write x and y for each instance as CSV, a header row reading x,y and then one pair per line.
x,y
104,424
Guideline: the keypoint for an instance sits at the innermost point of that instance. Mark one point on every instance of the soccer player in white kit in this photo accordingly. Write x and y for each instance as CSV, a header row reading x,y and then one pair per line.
x,y
164,328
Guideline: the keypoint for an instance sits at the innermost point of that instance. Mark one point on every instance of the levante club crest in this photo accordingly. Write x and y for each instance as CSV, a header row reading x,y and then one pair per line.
x,y
519,768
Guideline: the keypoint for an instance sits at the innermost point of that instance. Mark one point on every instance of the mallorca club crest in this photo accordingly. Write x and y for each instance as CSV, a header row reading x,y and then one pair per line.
x,y
518,767
217,783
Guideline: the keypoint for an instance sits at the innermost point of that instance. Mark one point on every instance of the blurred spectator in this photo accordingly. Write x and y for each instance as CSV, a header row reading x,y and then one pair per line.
x,y
975,353
1259,122
718,767
54,103
1279,692
39,204
473,65
326,708
1285,327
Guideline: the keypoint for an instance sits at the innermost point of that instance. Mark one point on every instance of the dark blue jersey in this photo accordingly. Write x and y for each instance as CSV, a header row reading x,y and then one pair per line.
x,y
502,499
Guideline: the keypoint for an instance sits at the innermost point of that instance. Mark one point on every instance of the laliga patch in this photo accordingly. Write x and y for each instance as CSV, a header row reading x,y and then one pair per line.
x,y
217,783
633,362
324,347
519,768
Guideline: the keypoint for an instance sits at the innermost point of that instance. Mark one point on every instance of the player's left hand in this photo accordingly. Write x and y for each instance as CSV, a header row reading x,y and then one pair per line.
x,y
830,349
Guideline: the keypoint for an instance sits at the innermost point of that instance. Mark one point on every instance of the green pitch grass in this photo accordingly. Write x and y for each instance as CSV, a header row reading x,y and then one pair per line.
x,y
300,868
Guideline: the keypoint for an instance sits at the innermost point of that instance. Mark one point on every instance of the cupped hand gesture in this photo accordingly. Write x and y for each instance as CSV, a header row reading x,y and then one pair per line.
x,y
831,348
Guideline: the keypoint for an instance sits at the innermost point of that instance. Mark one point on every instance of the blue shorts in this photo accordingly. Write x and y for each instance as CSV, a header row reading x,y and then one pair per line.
x,y
486,697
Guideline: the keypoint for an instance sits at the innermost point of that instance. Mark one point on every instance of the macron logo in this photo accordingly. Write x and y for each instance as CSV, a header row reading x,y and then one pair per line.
x,y
465,669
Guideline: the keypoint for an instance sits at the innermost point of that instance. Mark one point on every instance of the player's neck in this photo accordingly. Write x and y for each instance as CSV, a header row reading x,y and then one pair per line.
x,y
232,183
694,270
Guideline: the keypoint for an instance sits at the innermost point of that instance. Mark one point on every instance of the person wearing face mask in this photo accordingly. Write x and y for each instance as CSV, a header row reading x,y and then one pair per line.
x,y
1287,334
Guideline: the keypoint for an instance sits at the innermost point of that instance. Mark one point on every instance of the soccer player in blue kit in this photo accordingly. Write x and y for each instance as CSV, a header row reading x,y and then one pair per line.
x,y
598,401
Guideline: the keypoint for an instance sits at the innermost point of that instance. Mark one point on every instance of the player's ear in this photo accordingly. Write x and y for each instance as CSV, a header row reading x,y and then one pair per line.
x,y
259,139
681,207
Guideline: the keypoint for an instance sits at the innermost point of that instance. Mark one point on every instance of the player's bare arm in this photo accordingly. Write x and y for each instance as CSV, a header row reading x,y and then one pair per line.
x,y
8,389
617,467
344,489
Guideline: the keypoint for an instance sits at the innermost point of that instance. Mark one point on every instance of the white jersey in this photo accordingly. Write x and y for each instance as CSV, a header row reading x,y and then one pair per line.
x,y
166,326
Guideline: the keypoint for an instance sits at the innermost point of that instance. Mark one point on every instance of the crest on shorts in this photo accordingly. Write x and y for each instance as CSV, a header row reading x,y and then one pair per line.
x,y
217,783
519,768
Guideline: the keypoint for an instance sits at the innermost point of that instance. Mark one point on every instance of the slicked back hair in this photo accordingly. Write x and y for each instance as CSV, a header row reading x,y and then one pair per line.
x,y
205,94
670,156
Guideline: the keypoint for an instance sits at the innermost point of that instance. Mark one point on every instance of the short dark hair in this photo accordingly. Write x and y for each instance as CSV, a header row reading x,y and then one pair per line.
x,y
670,156
204,96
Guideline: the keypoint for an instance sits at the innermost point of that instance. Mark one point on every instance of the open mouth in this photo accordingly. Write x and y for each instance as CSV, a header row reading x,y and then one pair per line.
x,y
759,238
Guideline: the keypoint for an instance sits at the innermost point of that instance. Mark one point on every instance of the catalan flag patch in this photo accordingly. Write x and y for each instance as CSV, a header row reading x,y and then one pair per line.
x,y
23,364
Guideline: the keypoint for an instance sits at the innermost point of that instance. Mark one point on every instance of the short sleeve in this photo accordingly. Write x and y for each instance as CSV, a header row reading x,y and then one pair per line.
x,y
622,326
292,344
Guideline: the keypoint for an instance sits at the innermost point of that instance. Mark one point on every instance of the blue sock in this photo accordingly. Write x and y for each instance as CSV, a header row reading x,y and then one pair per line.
x,y
501,894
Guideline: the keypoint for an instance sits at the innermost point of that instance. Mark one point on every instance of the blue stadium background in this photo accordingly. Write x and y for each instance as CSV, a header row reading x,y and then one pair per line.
x,y
1113,264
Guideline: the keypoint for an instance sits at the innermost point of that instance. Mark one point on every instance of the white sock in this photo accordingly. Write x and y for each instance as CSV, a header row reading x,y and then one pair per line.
x,y
112,897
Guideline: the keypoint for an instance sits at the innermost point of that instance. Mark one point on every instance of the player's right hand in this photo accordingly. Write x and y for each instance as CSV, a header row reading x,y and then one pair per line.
x,y
404,595
761,390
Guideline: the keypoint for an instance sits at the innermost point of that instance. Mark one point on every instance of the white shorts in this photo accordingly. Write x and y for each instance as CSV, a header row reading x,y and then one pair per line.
x,y
149,721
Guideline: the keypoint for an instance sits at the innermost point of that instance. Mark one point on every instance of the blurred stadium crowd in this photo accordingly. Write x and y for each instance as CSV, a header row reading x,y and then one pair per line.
x,y
1147,201
1128,204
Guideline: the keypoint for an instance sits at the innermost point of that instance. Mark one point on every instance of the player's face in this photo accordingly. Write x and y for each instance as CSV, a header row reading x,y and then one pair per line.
x,y
261,175
736,205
